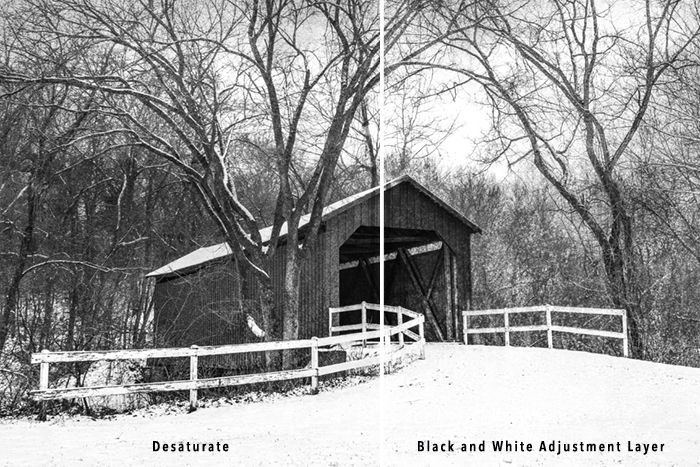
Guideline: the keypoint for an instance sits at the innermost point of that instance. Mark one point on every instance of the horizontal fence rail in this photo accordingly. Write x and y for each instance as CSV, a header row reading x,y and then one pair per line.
x,y
506,329
364,325
313,370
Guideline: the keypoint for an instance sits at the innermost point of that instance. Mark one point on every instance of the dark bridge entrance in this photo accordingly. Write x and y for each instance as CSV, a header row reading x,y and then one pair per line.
x,y
419,274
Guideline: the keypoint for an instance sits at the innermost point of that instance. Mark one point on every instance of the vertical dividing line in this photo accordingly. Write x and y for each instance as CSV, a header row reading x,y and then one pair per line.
x,y
364,322
382,182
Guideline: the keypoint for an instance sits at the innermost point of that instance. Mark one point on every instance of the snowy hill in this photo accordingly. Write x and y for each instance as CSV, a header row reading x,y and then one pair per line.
x,y
458,394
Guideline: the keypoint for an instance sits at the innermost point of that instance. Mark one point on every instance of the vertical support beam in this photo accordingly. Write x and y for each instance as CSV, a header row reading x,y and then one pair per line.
x,y
455,294
194,363
364,320
390,270
459,284
625,338
399,318
465,327
550,341
506,325
43,384
468,272
314,365
449,296
364,266
421,334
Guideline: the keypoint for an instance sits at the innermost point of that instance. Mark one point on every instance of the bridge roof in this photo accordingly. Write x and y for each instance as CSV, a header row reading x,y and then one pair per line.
x,y
221,250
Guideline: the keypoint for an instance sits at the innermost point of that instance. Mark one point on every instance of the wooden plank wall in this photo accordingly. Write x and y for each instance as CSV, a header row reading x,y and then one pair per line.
x,y
313,319
186,308
312,287
206,307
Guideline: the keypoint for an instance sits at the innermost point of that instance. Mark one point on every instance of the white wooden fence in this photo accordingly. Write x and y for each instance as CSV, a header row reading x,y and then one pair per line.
x,y
313,370
506,329
364,325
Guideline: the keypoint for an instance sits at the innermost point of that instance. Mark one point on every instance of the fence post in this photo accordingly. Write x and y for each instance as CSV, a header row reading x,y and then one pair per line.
x,y
625,342
330,321
550,341
400,322
364,321
314,365
465,317
385,333
506,325
421,334
43,384
194,363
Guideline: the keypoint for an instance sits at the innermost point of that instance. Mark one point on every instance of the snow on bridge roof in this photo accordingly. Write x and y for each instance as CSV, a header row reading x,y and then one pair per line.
x,y
221,250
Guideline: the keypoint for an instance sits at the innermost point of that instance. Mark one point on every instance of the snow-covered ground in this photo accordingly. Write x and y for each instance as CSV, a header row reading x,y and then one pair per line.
x,y
459,394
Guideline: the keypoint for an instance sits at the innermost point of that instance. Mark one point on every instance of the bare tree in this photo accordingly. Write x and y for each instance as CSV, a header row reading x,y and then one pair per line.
x,y
211,77
667,156
570,87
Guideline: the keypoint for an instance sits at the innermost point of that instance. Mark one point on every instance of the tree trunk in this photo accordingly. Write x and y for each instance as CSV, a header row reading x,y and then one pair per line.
x,y
45,334
290,329
25,249
72,315
369,145
270,321
621,282
290,314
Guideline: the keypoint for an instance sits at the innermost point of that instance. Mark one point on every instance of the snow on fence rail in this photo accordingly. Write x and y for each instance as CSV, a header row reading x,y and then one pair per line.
x,y
313,370
549,327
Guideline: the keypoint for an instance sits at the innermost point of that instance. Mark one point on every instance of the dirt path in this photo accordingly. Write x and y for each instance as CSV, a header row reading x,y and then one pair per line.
x,y
459,394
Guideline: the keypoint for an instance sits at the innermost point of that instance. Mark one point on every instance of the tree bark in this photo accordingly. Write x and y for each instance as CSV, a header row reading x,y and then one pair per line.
x,y
621,282
25,249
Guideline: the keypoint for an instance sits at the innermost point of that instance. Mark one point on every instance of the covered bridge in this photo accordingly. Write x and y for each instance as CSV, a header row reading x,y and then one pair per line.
x,y
204,297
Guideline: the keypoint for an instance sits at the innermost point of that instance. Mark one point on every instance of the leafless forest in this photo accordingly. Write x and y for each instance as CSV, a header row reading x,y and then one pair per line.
x,y
133,132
